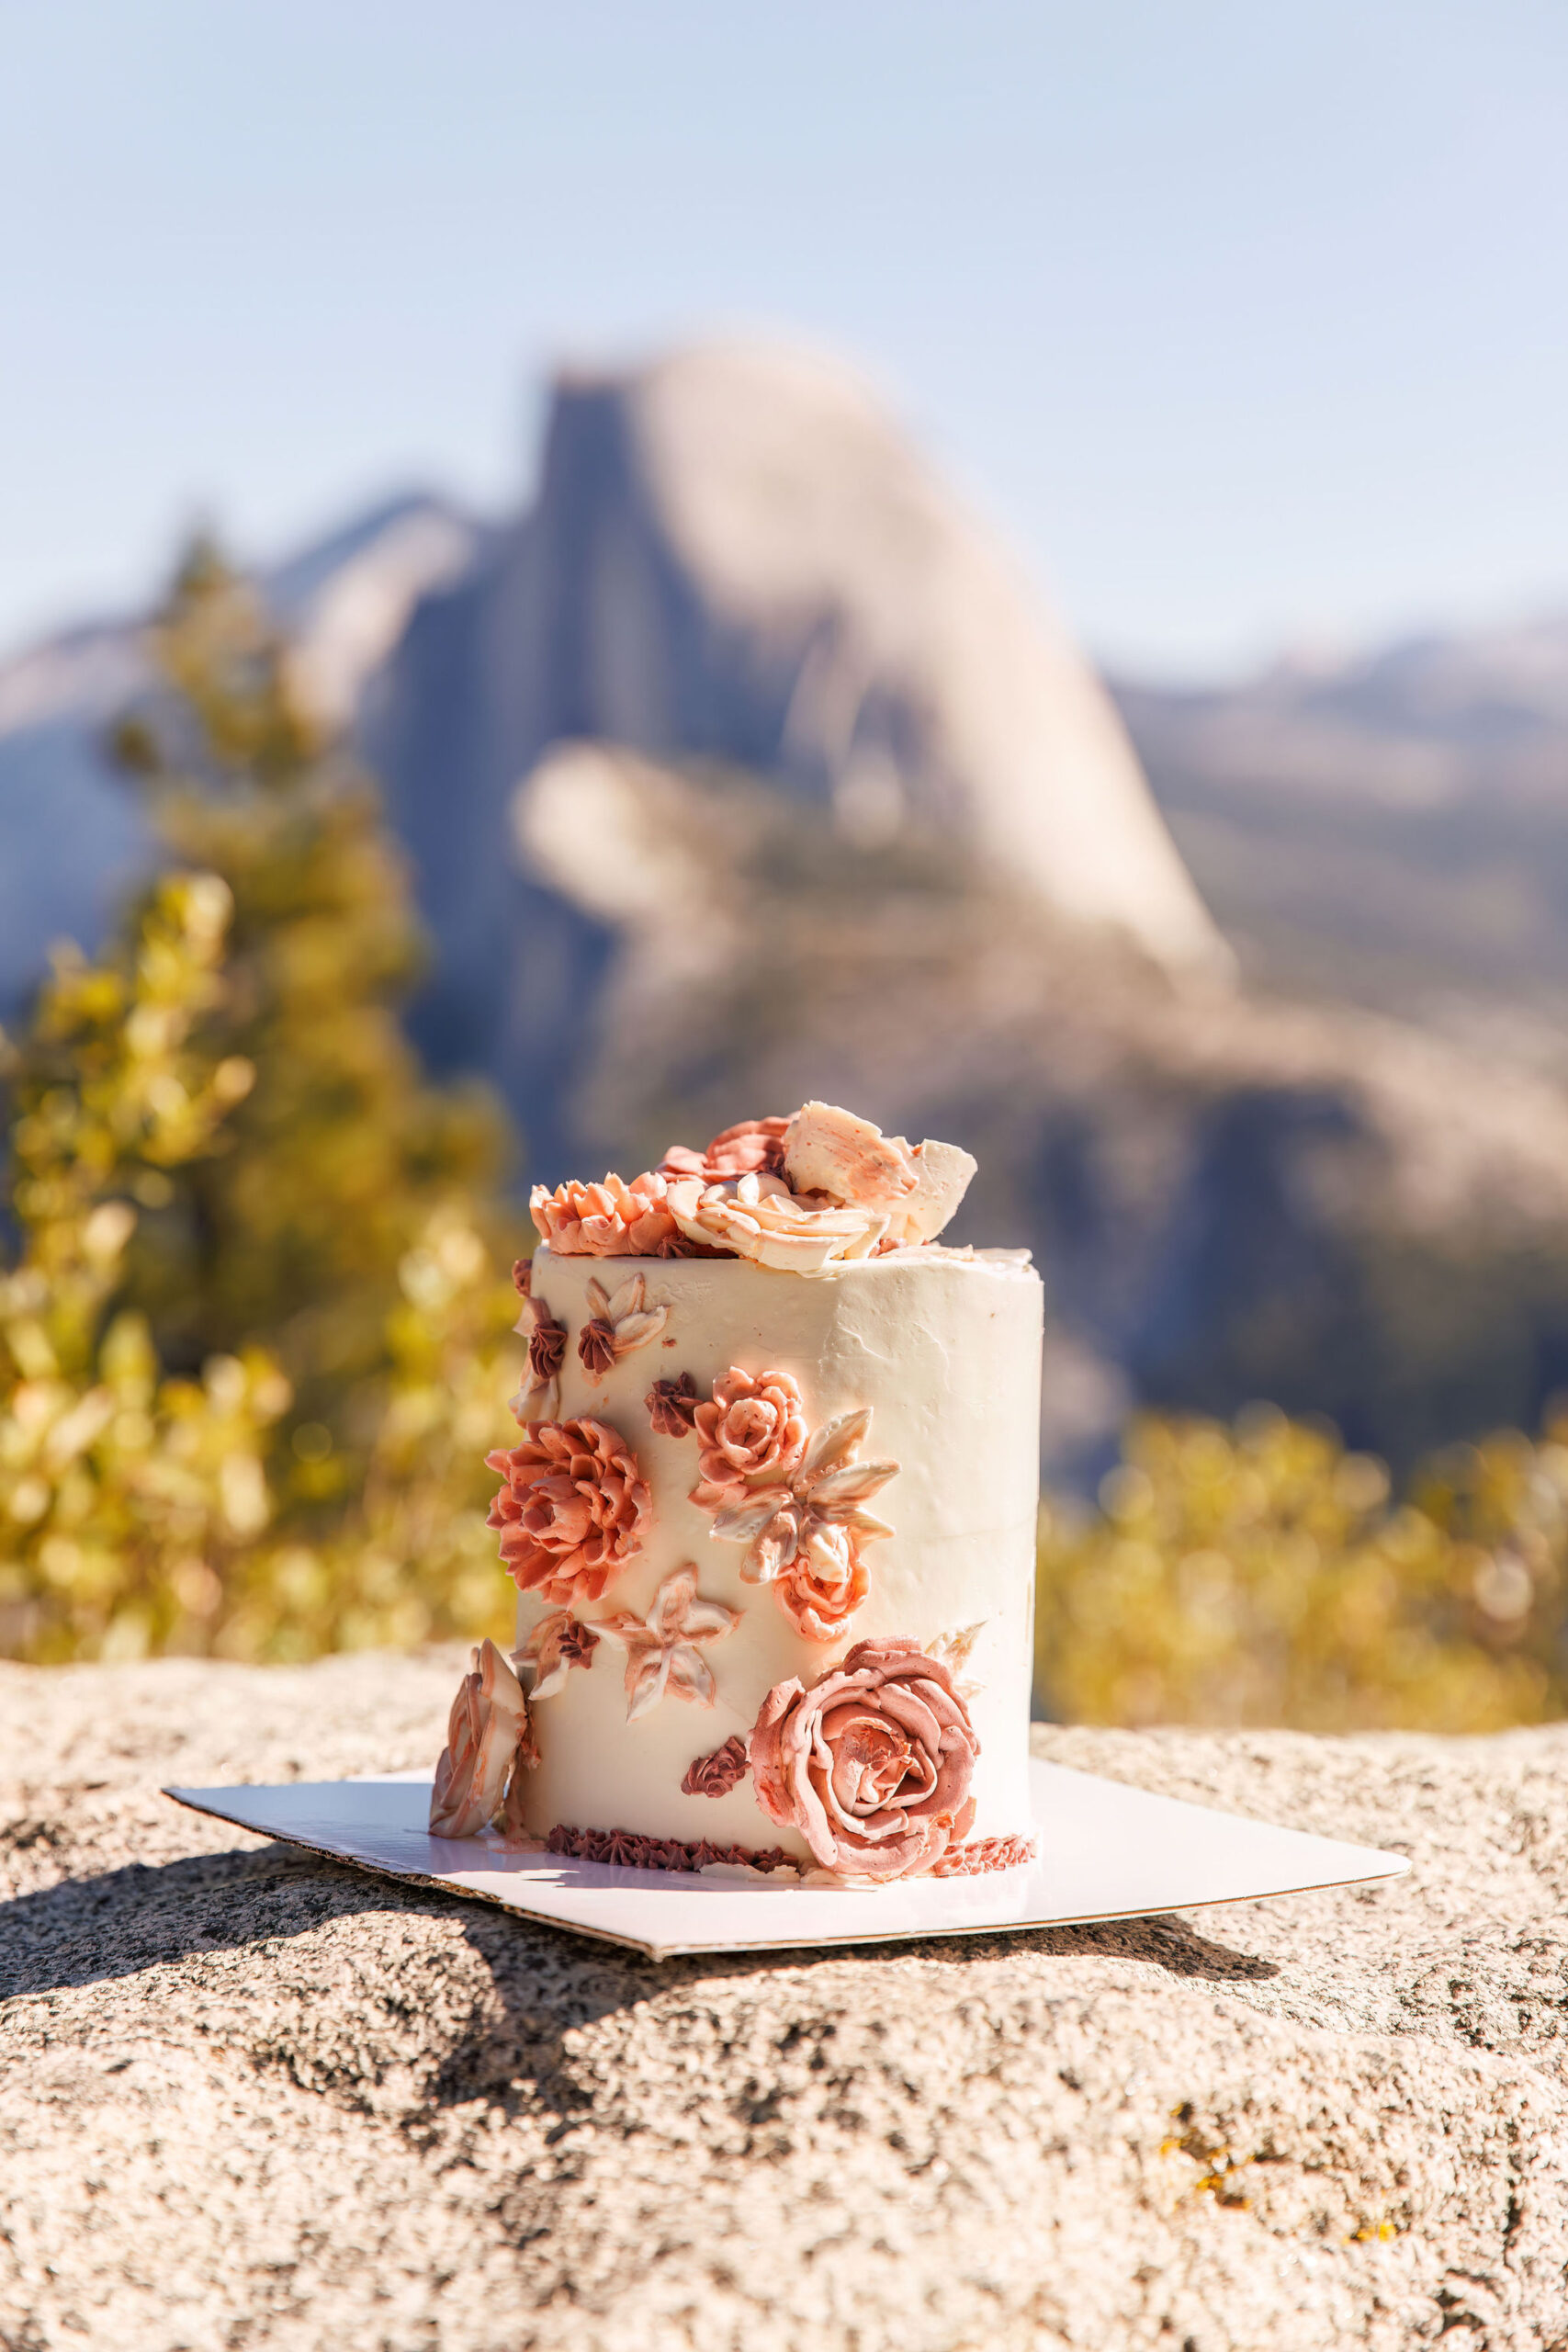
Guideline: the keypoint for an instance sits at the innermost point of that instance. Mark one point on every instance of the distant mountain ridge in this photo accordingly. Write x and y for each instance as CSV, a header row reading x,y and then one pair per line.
x,y
1392,827
742,767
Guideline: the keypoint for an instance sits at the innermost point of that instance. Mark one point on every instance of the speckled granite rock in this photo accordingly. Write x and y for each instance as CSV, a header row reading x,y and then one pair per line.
x,y
252,2099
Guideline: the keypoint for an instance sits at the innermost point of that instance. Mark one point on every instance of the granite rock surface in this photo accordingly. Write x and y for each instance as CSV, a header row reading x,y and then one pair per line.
x,y
249,2097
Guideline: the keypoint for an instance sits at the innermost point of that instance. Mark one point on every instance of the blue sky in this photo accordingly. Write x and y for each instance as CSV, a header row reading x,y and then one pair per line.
x,y
1248,323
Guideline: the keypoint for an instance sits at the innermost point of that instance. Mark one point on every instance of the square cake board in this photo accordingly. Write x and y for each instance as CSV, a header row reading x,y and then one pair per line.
x,y
1106,1852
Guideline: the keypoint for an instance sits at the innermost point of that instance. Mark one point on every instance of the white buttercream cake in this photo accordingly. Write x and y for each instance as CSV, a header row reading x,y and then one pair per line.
x,y
772,1518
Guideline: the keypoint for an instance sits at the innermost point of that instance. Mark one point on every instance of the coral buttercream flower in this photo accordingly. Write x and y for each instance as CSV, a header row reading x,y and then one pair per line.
x,y
614,1219
755,1147
824,1584
804,1530
570,1512
716,1775
489,1738
751,1434
759,1218
873,1765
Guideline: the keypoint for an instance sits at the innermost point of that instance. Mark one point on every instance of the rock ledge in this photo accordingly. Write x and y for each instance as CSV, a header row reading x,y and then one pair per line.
x,y
252,2098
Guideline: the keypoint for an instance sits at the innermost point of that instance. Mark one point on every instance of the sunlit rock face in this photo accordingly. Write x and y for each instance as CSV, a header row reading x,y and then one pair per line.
x,y
735,557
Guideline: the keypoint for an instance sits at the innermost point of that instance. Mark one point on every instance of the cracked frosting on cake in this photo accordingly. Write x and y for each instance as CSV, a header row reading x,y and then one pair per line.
x,y
771,1512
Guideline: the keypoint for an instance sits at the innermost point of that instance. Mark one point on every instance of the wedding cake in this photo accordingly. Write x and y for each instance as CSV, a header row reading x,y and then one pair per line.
x,y
772,1521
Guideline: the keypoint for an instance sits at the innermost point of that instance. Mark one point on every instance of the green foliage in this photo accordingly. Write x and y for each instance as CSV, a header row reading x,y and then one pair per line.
x,y
1260,1574
255,1341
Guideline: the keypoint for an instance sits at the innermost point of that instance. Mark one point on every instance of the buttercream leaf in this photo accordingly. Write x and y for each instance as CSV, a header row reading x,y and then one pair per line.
x,y
622,1628
852,1482
834,1439
691,1677
704,1621
598,1299
954,1649
773,1550
742,1521
671,1603
865,1522
646,1678
626,1300
635,1330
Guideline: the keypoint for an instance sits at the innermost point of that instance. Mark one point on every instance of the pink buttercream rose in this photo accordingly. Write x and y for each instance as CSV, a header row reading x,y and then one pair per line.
x,y
750,1434
872,1764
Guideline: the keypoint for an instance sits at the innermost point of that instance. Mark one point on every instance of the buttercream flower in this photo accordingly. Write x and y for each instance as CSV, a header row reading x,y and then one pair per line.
x,y
824,1584
759,1218
614,1219
619,1322
754,1147
664,1648
538,1398
487,1736
751,1434
673,1406
873,1765
555,1645
805,1530
831,1155
716,1775
570,1512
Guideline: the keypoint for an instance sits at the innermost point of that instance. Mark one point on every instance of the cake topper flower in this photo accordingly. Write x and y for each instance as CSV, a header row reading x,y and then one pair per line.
x,y
664,1649
829,1154
619,1322
751,1434
570,1509
489,1739
759,1218
753,1148
614,1219
873,1765
804,1530
555,1645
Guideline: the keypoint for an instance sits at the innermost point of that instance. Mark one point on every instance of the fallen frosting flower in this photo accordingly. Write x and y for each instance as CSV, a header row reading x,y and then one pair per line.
x,y
487,1735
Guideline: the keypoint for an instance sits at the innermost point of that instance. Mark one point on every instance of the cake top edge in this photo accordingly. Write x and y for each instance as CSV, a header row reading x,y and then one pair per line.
x,y
803,1195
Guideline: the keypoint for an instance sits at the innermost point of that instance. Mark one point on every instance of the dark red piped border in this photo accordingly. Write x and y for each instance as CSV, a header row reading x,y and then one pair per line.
x,y
656,1853
630,1851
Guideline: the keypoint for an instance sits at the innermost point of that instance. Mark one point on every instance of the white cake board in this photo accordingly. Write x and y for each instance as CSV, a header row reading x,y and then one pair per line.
x,y
1106,1852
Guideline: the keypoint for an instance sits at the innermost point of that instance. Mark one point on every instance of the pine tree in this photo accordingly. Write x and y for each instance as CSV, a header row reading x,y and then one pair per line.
x,y
339,1217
